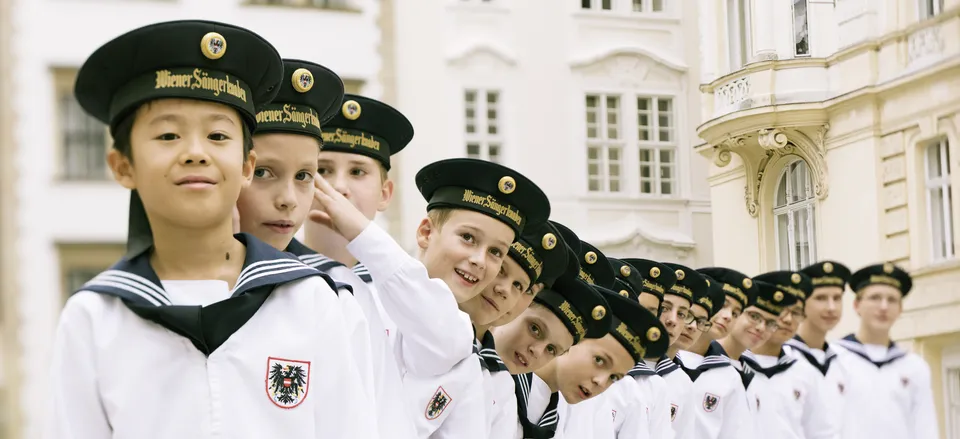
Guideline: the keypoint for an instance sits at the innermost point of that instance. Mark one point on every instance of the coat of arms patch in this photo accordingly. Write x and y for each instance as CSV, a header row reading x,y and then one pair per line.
x,y
438,403
710,402
673,412
287,381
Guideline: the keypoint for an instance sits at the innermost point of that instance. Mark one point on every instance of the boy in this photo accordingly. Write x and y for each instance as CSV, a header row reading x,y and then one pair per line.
x,y
276,203
792,405
592,367
718,396
887,390
475,210
823,310
657,279
180,106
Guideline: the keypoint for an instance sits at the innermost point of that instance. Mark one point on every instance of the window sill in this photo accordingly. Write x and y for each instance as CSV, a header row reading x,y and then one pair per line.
x,y
613,198
635,18
333,8
936,267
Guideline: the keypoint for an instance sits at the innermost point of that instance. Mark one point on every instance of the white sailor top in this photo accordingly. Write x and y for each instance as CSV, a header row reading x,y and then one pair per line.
x,y
718,398
537,407
383,364
887,392
499,390
651,412
135,360
832,374
791,406
679,391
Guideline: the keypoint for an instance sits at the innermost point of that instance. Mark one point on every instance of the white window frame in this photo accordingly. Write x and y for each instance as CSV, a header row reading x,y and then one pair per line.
x,y
597,5
656,145
790,211
481,123
950,362
83,140
929,8
646,6
941,247
806,23
629,144
739,45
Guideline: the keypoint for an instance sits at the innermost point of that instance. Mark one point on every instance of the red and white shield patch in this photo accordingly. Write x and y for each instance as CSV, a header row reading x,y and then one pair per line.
x,y
673,412
287,381
710,402
437,404
614,414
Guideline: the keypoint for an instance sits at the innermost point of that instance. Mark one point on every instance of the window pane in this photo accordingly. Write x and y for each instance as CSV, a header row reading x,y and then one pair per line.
x,y
801,36
592,117
613,122
84,142
494,152
937,223
783,241
606,4
781,192
802,241
665,119
657,5
473,150
666,187
935,160
637,5
643,118
585,4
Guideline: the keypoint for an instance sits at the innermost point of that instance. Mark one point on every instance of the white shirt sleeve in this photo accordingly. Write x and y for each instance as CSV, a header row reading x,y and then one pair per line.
x,y
345,410
77,411
359,333
924,414
435,336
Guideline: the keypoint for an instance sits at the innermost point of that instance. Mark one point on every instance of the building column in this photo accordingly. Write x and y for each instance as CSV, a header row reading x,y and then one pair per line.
x,y
709,36
763,40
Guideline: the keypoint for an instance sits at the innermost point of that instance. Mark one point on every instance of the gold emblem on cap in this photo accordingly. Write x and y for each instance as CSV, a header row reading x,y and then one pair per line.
x,y
778,296
795,278
507,184
598,312
213,45
748,283
888,268
680,274
549,241
302,80
653,334
624,270
624,293
654,272
590,258
827,267
708,282
351,109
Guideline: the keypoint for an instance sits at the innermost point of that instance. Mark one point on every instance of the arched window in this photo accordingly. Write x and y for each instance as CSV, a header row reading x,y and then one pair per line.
x,y
794,212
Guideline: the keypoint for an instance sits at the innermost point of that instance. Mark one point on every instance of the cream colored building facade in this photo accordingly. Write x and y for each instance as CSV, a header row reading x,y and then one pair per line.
x,y
9,411
834,131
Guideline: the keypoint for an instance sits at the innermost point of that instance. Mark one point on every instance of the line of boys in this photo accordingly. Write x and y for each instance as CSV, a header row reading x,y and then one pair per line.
x,y
504,325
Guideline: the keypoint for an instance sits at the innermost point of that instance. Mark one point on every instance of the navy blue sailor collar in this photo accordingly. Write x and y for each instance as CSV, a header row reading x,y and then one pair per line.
x,y
317,261
714,358
135,282
784,362
800,346
546,427
641,369
666,366
486,349
851,343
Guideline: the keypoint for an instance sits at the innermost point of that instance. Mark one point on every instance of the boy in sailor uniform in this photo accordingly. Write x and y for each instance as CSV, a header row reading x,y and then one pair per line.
x,y
596,394
792,405
653,412
718,399
197,332
276,203
887,390
536,259
823,310
476,209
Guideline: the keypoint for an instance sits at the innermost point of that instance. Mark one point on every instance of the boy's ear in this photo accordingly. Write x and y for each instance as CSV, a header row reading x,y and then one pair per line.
x,y
248,166
122,169
424,230
386,194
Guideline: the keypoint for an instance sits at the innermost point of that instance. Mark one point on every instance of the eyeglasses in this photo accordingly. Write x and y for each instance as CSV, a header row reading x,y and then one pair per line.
x,y
704,324
769,325
796,314
684,316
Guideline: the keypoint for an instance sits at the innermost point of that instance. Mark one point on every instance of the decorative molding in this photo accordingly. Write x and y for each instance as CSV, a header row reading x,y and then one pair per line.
x,y
730,96
478,50
772,139
631,51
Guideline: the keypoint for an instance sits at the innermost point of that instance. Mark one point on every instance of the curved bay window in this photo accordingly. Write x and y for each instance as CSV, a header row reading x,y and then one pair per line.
x,y
794,207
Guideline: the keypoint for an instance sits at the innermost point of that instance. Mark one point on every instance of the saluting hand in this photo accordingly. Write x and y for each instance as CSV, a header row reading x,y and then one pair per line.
x,y
336,212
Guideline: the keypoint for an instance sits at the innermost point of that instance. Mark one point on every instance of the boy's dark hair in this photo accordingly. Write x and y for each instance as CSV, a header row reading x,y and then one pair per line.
x,y
121,135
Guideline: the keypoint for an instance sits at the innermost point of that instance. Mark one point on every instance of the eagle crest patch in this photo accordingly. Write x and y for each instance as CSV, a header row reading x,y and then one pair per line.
x,y
673,412
438,403
796,394
840,388
613,413
710,402
287,382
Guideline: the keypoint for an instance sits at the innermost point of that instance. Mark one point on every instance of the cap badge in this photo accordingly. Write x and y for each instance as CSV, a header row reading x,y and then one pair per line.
x,y
778,296
351,109
624,293
795,278
748,283
654,272
590,258
598,312
653,334
213,45
507,185
680,274
549,241
302,80
827,267
888,268
624,270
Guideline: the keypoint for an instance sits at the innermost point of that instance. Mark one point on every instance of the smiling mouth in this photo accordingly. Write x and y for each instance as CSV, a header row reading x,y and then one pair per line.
x,y
466,276
491,303
520,359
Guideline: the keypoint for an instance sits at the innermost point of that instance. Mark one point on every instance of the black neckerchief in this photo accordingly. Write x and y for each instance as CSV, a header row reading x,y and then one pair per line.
x,y
851,343
487,351
784,362
799,345
546,428
136,283
715,357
